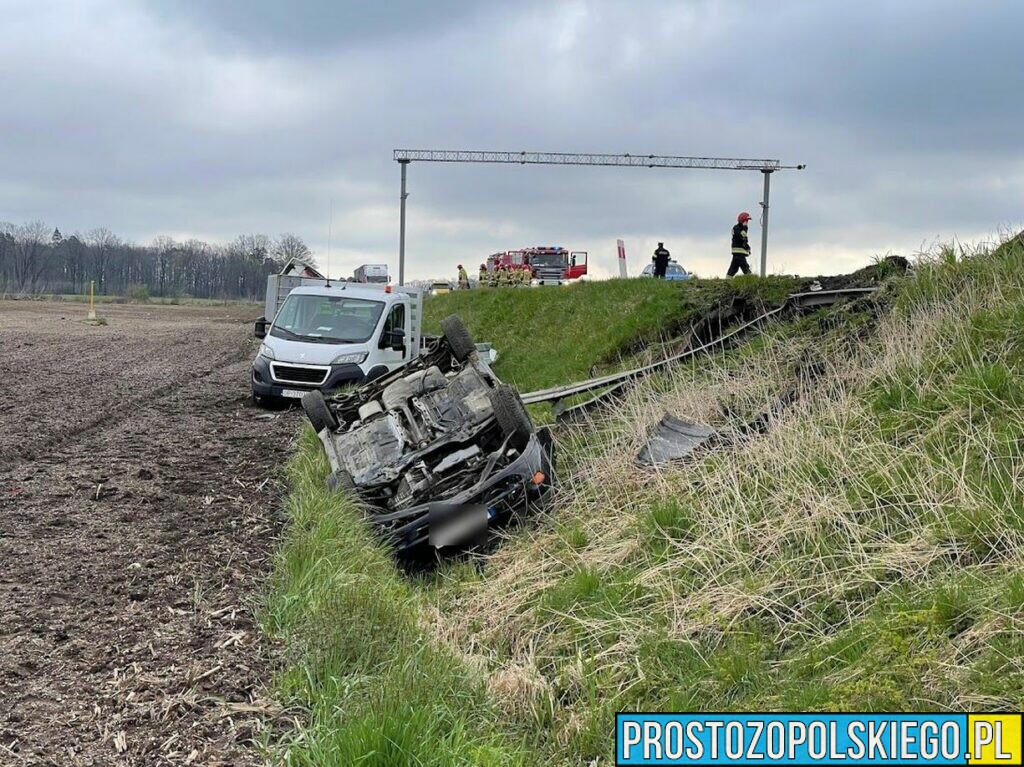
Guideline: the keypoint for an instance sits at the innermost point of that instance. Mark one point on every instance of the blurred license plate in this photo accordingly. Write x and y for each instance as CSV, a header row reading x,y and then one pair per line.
x,y
451,525
293,393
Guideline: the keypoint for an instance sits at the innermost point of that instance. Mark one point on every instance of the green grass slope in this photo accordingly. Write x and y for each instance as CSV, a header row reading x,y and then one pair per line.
x,y
369,685
555,335
863,553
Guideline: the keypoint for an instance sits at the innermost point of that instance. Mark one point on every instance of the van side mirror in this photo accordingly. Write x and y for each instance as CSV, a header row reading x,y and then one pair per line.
x,y
260,328
396,339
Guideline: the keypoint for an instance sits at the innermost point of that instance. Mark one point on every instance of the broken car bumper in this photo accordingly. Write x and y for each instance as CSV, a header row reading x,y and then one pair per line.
x,y
459,519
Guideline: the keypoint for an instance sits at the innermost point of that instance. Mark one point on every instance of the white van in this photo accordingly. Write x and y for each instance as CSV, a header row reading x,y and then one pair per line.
x,y
326,336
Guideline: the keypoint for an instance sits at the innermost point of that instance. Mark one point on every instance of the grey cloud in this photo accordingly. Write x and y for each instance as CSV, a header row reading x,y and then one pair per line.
x,y
216,118
312,26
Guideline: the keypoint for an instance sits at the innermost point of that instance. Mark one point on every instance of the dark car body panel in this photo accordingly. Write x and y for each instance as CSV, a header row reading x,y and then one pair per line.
x,y
424,452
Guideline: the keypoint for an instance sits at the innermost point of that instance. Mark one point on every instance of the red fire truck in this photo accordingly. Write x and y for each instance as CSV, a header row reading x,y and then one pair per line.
x,y
548,264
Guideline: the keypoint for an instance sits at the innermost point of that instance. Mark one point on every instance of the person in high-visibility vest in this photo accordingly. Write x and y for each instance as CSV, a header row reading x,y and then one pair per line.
x,y
740,246
463,278
482,276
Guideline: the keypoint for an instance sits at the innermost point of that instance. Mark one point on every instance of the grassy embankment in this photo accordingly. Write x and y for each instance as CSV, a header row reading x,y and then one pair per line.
x,y
550,336
863,554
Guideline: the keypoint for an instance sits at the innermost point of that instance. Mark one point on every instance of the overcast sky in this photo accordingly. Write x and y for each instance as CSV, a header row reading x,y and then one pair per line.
x,y
210,119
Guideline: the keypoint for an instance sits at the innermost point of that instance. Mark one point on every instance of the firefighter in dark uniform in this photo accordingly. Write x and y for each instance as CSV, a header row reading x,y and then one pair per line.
x,y
660,261
740,246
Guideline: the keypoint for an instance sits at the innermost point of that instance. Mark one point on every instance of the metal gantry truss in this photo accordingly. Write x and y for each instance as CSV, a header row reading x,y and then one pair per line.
x,y
586,158
767,167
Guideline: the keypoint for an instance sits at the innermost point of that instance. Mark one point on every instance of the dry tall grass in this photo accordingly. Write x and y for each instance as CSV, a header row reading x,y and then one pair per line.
x,y
862,552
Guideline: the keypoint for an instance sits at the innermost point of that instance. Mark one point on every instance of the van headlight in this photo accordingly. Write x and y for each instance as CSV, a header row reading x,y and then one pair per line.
x,y
266,351
352,358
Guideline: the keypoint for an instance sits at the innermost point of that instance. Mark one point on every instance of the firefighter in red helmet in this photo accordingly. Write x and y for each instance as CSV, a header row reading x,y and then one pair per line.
x,y
740,246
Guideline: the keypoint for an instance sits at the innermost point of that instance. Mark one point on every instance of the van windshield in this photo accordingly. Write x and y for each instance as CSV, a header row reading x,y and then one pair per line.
x,y
327,319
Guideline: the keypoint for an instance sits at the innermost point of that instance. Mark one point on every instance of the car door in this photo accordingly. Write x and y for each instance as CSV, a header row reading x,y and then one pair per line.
x,y
577,265
386,353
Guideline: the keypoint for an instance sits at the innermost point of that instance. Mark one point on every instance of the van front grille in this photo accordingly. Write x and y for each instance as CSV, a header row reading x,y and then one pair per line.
x,y
301,375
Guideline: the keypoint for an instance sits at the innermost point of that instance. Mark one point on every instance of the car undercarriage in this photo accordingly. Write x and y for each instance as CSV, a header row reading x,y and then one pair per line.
x,y
438,451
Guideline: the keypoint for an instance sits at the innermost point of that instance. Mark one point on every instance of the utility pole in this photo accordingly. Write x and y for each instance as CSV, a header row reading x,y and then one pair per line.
x,y
764,222
401,227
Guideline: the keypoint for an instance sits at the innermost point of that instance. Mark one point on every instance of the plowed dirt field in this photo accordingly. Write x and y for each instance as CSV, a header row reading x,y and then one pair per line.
x,y
138,497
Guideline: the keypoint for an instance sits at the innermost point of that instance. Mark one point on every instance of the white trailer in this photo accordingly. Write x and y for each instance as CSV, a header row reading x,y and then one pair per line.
x,y
372,273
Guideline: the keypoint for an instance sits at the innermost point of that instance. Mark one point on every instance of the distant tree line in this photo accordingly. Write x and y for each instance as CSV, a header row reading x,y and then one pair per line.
x,y
36,259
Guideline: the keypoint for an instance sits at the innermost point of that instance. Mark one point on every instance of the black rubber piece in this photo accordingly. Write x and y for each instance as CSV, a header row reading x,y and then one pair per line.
x,y
340,481
319,414
458,337
511,415
267,402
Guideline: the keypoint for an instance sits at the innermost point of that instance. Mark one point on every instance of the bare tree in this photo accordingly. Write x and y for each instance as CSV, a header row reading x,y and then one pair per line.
x,y
102,241
165,248
29,263
75,252
34,258
252,247
7,245
288,246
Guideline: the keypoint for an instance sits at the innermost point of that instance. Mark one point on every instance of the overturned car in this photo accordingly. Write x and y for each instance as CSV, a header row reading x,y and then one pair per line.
x,y
437,451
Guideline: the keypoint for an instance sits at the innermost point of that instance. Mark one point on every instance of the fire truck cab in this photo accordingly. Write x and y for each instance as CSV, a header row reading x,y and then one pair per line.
x,y
548,264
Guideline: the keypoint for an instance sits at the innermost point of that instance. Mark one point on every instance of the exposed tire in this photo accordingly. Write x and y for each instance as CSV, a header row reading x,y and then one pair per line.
x,y
458,337
510,412
340,481
319,414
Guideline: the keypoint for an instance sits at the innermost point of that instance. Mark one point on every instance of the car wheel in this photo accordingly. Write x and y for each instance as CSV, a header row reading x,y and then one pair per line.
x,y
511,414
319,414
340,481
458,337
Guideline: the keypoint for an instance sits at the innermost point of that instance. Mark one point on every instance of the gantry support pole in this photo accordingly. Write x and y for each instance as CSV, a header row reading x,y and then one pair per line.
x,y
764,222
401,227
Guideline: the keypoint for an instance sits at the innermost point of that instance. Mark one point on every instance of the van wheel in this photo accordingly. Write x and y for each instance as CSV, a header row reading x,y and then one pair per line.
x,y
510,412
458,337
319,414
